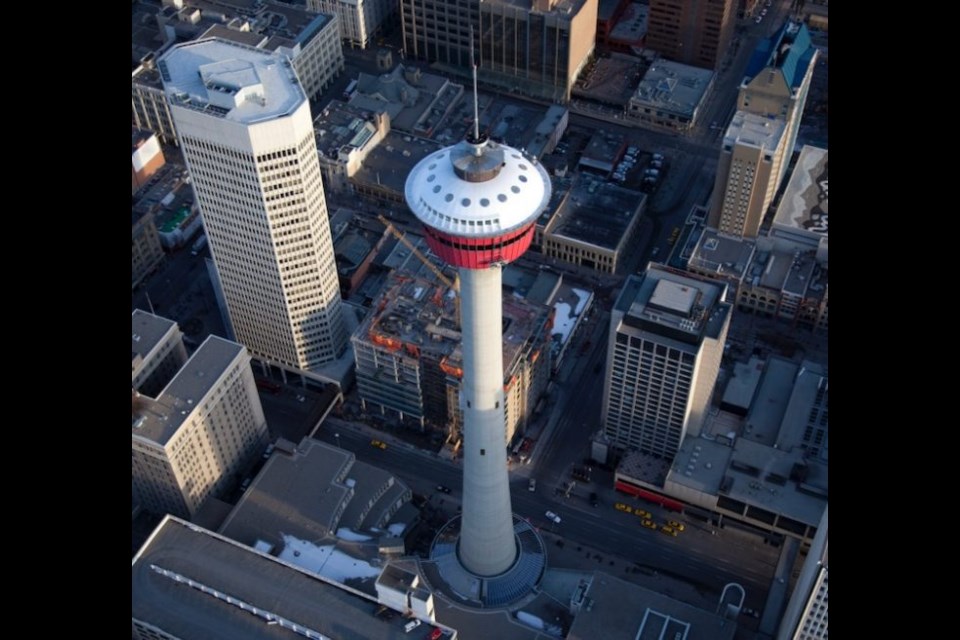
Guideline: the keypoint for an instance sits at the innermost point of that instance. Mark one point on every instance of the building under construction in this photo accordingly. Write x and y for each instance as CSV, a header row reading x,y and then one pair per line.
x,y
408,355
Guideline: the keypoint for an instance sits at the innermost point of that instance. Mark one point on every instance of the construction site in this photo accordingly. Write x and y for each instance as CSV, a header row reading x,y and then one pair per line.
x,y
408,353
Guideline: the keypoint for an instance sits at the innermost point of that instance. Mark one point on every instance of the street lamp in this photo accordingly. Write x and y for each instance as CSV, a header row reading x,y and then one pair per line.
x,y
337,436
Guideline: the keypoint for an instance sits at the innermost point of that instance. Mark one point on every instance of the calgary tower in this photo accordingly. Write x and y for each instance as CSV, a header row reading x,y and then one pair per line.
x,y
479,201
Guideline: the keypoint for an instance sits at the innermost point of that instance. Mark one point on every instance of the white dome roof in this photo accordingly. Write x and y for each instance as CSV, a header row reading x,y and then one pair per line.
x,y
510,198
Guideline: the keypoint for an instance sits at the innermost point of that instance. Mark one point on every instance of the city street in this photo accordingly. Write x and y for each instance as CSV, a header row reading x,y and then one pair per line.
x,y
697,557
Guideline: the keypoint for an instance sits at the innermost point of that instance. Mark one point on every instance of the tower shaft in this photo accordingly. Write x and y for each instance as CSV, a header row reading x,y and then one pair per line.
x,y
487,544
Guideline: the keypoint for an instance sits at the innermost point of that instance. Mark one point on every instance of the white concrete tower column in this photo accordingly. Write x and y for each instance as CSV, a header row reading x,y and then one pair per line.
x,y
487,544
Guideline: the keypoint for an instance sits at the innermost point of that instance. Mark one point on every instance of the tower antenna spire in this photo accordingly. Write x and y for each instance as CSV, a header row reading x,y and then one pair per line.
x,y
476,107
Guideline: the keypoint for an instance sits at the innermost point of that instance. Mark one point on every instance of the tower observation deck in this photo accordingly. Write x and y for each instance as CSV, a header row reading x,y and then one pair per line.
x,y
479,201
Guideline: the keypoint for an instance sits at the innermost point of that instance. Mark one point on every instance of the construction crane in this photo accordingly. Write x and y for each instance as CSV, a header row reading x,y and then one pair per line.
x,y
453,284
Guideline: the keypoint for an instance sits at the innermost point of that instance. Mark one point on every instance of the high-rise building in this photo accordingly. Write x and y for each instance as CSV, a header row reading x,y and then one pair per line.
x,y
192,439
245,129
748,173
311,41
667,332
696,32
760,139
806,614
533,47
359,19
479,202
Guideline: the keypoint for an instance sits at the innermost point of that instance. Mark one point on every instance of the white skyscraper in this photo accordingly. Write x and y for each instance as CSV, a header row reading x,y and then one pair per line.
x,y
667,332
245,128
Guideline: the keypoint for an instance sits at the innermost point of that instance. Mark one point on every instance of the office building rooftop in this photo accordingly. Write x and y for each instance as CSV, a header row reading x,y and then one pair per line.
x,y
159,419
230,81
686,308
752,130
594,212
721,255
148,331
674,87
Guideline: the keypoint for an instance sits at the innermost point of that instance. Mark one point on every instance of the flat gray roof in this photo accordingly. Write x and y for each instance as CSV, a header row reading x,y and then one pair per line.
x,y
766,414
341,125
162,418
674,87
230,80
620,610
759,475
310,495
604,148
803,206
389,164
149,330
742,387
755,131
808,403
244,574
721,255
597,213
700,464
705,318
249,38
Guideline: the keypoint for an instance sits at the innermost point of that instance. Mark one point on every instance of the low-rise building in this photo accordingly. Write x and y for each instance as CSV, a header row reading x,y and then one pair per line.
x,y
320,493
670,96
763,471
593,223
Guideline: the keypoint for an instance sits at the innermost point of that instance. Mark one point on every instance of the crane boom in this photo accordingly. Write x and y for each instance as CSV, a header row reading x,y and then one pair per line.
x,y
409,245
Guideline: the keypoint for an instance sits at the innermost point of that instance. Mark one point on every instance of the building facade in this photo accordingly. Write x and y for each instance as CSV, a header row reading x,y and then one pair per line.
x,y
670,95
409,361
158,352
151,111
191,441
311,41
806,614
667,332
759,142
247,136
359,19
534,48
751,161
695,32
146,252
